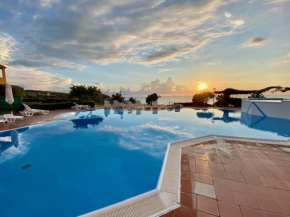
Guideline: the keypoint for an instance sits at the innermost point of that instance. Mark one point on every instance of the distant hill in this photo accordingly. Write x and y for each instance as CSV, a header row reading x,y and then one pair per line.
x,y
52,93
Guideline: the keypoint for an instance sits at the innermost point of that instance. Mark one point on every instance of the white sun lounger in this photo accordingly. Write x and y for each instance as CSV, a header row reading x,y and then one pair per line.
x,y
30,110
155,105
26,113
2,119
79,107
118,104
138,105
129,105
11,118
107,104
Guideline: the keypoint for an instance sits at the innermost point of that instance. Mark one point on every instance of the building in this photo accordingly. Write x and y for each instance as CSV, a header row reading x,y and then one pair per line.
x,y
2,74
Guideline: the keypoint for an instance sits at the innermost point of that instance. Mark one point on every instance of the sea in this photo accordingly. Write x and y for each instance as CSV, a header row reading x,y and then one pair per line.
x,y
176,99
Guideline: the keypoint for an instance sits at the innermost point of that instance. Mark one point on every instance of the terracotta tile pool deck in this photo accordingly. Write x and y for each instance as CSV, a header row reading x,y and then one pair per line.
x,y
241,179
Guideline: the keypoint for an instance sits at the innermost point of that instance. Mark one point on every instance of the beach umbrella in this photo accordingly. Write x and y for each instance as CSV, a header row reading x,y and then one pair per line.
x,y
9,95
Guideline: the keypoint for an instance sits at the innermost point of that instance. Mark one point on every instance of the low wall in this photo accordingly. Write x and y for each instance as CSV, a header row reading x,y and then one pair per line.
x,y
267,107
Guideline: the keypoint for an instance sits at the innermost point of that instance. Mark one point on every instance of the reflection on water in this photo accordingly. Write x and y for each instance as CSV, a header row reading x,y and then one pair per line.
x,y
131,149
10,139
275,125
85,123
279,126
86,120
226,118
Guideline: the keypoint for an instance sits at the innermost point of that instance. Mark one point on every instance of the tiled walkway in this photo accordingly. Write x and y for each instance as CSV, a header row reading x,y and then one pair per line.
x,y
35,119
234,179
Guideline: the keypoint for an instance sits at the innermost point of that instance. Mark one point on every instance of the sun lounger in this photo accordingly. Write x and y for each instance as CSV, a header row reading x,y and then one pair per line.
x,y
2,120
107,104
79,107
26,113
118,104
129,105
155,105
12,118
34,111
138,105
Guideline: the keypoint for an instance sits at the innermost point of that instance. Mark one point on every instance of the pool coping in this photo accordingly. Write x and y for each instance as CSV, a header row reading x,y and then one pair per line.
x,y
166,197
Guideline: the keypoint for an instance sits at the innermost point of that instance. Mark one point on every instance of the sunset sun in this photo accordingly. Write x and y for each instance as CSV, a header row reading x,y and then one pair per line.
x,y
202,86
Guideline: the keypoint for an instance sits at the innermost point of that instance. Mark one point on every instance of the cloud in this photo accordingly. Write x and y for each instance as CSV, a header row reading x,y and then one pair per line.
x,y
167,70
48,3
286,59
210,63
31,78
156,86
276,1
7,46
237,23
64,34
227,14
259,41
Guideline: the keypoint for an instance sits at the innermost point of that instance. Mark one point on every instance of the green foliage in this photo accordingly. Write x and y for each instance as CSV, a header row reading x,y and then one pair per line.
x,y
201,99
118,96
256,95
16,106
224,102
152,97
133,100
85,92
56,106
16,90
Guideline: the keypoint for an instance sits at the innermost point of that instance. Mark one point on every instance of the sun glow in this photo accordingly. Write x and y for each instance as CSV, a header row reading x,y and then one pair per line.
x,y
202,86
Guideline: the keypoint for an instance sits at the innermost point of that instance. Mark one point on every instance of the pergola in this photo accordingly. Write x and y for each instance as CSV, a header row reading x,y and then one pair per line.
x,y
2,75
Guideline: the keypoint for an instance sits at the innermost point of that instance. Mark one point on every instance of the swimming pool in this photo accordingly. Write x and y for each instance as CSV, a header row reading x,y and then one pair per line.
x,y
93,159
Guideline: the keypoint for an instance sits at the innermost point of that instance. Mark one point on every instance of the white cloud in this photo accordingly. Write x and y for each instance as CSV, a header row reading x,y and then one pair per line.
x,y
156,86
48,3
286,58
7,46
31,78
237,23
167,70
210,63
227,14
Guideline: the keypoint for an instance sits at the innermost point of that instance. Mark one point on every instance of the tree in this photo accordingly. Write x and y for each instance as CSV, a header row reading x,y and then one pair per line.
x,y
133,100
151,98
94,93
256,95
118,96
201,99
86,93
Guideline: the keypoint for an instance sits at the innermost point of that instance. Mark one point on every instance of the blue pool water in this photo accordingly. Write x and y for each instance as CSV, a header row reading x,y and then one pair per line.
x,y
93,159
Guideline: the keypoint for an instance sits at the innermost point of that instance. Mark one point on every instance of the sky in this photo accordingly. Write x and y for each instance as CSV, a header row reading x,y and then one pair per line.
x,y
145,46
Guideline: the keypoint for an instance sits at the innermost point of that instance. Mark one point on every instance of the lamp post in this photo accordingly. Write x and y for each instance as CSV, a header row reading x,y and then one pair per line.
x,y
213,90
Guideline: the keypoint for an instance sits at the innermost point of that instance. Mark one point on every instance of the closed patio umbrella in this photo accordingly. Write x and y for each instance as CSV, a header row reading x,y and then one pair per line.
x,y
9,95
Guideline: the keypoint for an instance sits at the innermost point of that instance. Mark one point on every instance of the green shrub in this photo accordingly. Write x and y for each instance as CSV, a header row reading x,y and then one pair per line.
x,y
17,91
31,100
56,106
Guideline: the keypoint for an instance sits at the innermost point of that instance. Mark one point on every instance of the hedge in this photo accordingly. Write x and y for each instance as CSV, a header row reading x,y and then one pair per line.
x,y
16,106
56,106
51,100
16,90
